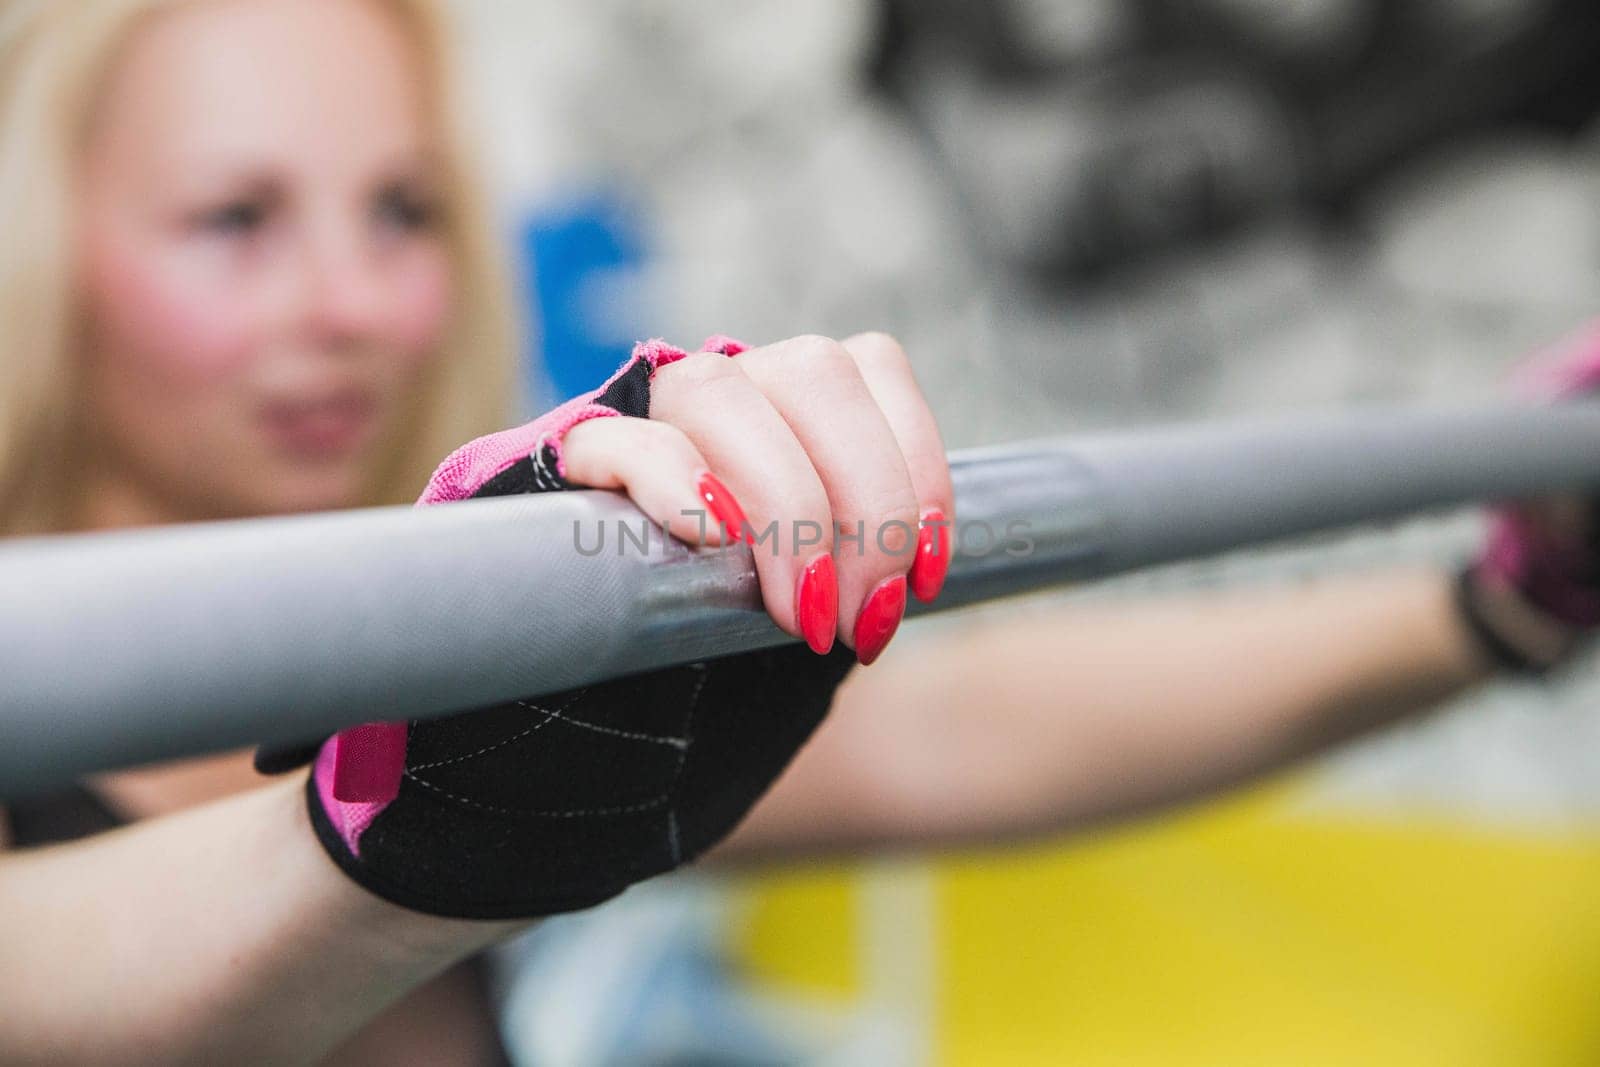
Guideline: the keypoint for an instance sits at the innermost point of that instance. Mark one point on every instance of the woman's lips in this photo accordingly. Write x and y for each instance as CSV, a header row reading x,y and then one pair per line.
x,y
328,427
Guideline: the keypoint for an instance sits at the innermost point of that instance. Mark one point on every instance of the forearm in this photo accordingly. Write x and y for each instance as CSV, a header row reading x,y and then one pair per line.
x,y
219,935
1048,722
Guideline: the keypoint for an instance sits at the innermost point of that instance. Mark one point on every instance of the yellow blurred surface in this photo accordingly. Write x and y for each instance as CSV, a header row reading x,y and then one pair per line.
x,y
799,931
1241,933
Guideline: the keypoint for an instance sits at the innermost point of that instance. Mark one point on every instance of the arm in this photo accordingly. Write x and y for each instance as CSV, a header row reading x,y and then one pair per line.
x,y
240,931
1035,724
1027,726
219,935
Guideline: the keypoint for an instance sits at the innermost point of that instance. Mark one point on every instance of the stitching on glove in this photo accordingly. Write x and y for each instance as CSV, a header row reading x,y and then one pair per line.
x,y
674,849
551,481
553,716
568,813
665,797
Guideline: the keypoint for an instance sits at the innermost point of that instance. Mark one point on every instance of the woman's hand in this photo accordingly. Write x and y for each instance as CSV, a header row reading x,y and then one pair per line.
x,y
1535,592
822,453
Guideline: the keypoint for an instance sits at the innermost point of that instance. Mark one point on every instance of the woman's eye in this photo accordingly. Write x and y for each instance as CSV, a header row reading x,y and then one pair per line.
x,y
239,218
406,211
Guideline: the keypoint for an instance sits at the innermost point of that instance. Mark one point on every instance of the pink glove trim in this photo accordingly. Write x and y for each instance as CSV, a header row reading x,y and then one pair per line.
x,y
350,819
655,352
1522,556
474,463
466,469
368,762
726,345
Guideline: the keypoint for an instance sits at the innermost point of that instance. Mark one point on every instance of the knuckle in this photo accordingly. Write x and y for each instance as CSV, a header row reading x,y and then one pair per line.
x,y
652,433
879,348
693,382
665,441
704,367
813,355
807,342
592,432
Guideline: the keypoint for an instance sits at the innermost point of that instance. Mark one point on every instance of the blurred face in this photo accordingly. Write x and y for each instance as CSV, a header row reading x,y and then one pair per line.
x,y
264,276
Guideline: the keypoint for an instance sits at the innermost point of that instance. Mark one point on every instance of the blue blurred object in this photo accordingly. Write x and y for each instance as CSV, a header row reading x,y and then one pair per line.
x,y
642,981
584,254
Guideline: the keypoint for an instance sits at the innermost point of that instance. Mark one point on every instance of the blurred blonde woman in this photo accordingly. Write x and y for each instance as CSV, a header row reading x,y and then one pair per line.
x,y
247,272
53,69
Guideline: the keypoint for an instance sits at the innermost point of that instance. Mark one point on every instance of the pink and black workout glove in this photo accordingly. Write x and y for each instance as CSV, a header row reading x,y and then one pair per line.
x,y
558,803
1534,593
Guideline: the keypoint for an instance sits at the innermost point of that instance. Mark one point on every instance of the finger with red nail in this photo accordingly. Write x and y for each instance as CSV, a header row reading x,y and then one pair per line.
x,y
833,437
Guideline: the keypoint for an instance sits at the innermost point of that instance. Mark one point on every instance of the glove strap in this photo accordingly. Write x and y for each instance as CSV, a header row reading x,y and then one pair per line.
x,y
1517,636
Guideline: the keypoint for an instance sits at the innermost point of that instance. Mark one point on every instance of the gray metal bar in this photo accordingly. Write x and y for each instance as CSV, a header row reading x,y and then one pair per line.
x,y
127,647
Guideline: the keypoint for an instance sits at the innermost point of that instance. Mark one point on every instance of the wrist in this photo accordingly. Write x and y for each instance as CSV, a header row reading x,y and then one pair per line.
x,y
389,934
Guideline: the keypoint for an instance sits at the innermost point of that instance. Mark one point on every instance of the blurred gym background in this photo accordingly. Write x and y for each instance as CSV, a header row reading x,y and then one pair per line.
x,y
1079,214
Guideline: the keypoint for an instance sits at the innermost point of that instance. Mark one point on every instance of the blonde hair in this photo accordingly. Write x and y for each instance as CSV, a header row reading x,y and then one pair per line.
x,y
53,55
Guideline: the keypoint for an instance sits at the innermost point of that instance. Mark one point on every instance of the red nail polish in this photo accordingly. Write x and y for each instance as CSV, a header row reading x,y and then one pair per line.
x,y
880,618
933,556
724,508
817,604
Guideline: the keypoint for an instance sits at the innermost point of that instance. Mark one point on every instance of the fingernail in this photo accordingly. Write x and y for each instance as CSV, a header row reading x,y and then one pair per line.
x,y
724,508
880,618
817,604
928,570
